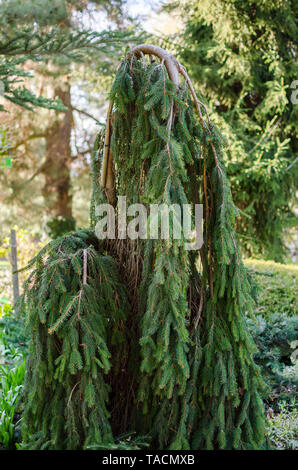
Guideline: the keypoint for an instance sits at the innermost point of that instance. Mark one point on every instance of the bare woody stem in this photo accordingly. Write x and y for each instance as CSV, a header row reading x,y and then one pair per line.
x,y
85,266
106,146
170,61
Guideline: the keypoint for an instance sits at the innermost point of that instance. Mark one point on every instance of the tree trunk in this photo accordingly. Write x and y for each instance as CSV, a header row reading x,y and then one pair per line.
x,y
56,190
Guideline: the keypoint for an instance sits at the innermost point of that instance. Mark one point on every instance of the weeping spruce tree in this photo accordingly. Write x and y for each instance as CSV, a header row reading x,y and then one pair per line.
x,y
144,336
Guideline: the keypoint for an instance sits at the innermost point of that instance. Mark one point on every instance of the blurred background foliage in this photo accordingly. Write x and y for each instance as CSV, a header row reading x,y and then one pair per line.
x,y
242,57
57,60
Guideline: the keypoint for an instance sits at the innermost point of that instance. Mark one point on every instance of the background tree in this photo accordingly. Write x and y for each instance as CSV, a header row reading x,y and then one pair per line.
x,y
48,141
242,56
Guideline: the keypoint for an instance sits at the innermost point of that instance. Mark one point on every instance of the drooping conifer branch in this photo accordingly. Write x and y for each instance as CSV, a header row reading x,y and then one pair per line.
x,y
107,175
173,68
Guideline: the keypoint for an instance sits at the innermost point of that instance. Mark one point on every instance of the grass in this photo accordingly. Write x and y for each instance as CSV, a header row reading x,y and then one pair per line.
x,y
277,287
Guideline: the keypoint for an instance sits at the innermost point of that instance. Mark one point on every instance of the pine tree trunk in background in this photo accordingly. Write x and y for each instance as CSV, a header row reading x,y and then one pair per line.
x,y
56,190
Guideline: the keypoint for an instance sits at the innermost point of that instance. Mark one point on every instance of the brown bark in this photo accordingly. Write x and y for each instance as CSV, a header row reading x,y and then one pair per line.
x,y
56,190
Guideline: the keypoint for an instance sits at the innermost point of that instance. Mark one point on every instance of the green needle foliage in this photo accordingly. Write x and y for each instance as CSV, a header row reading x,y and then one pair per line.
x,y
17,47
185,375
41,31
243,56
70,321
